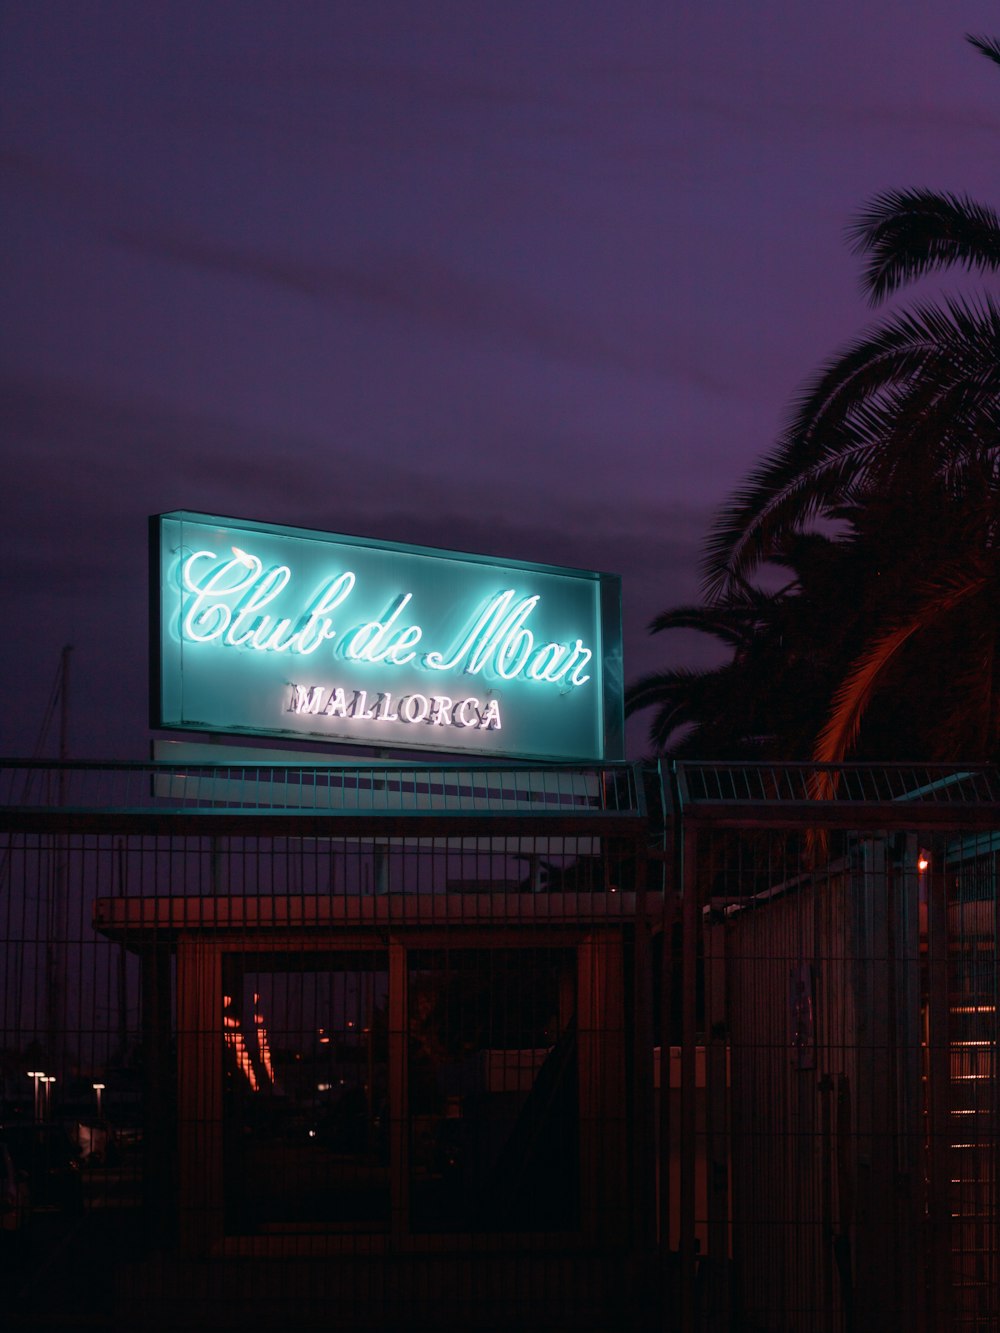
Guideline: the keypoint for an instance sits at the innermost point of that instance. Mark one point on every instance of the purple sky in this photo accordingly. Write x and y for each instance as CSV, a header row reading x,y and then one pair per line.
x,y
533,279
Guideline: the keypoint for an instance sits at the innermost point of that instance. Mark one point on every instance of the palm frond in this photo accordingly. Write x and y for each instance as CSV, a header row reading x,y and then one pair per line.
x,y
987,46
730,624
657,685
853,697
909,233
935,367
676,696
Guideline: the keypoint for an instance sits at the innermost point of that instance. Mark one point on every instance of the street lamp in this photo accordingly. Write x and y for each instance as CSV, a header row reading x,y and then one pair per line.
x,y
48,1080
36,1074
98,1088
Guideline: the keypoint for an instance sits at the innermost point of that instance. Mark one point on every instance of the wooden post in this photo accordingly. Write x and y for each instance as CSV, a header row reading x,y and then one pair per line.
x,y
601,1049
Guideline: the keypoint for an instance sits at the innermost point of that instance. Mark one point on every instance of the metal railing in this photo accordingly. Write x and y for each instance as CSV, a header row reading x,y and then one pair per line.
x,y
730,783
349,788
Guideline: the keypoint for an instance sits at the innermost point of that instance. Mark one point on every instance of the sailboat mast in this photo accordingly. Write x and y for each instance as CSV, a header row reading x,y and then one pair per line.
x,y
58,905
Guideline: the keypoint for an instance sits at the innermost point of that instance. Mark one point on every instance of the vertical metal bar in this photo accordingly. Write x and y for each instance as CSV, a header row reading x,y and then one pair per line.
x,y
824,1091
643,1072
399,1116
717,1119
688,1144
875,1197
909,1112
938,1249
199,1093
642,1067
666,1180
601,1054
157,1080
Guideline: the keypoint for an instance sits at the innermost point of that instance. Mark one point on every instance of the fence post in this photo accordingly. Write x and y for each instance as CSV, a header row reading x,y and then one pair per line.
x,y
909,1093
689,1037
717,1286
938,1250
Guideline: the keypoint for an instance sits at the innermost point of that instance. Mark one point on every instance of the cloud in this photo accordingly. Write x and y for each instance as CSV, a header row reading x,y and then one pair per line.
x,y
106,460
88,468
424,291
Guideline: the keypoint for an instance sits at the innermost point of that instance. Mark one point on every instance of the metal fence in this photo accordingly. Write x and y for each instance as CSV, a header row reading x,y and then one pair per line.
x,y
840,963
337,1046
389,1046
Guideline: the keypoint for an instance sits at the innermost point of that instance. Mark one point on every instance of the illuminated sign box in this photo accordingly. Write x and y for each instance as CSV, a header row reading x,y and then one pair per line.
x,y
275,631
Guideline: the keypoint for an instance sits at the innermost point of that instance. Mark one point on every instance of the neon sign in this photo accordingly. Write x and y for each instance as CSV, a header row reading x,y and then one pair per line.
x,y
281,631
226,608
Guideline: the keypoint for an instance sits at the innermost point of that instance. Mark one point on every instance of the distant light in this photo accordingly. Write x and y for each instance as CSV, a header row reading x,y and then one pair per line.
x,y
98,1087
923,861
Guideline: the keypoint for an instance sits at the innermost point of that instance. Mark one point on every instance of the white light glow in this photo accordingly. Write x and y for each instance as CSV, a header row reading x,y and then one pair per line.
x,y
414,707
435,709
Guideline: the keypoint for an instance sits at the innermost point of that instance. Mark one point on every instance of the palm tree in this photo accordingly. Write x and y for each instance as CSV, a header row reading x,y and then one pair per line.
x,y
904,428
785,654
704,712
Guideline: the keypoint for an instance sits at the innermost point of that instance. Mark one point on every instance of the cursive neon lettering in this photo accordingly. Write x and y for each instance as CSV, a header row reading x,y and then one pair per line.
x,y
374,643
263,591
399,654
514,651
474,649
495,643
318,626
546,661
585,654
238,602
207,620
